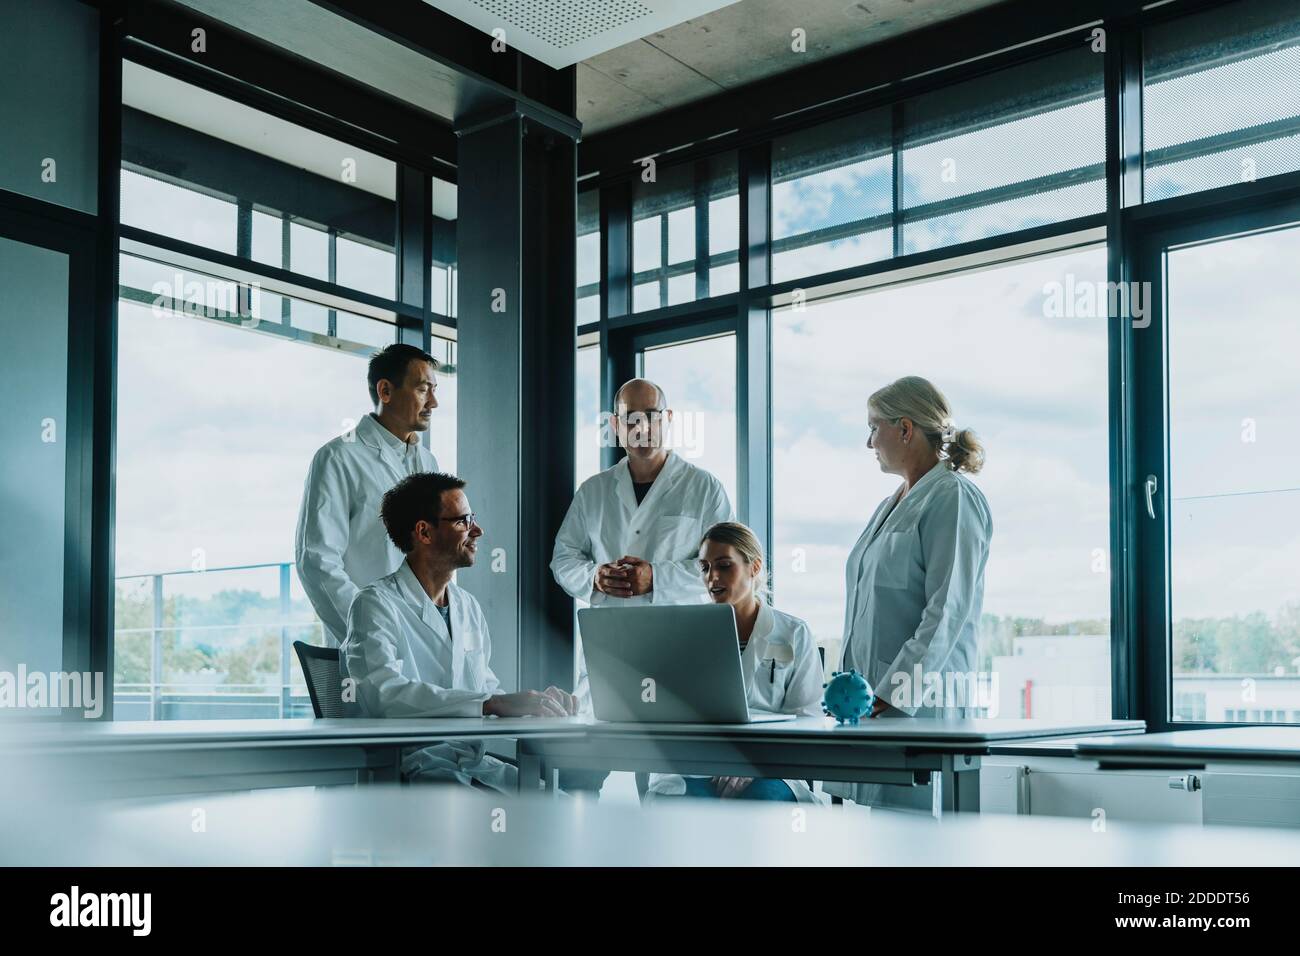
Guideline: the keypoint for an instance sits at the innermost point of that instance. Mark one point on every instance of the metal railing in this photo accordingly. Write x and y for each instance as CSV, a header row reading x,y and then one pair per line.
x,y
222,700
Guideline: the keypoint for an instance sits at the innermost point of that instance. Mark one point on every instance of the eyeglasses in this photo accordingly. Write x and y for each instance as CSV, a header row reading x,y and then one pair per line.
x,y
464,522
650,416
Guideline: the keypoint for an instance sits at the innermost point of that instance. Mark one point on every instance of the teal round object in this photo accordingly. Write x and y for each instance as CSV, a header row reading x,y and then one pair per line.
x,y
847,697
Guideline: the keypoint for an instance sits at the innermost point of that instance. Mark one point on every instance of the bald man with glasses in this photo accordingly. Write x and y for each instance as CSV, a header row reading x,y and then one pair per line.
x,y
631,534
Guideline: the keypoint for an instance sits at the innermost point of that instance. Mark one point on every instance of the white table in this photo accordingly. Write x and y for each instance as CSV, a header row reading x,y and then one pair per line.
x,y
1195,749
155,757
902,751
1246,775
190,756
385,825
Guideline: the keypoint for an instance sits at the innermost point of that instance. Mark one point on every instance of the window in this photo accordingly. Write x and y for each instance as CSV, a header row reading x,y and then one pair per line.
x,y
1221,100
686,234
1018,148
228,382
1234,502
587,427
1032,382
210,171
223,398
178,212
832,196
1190,705
699,381
444,274
588,257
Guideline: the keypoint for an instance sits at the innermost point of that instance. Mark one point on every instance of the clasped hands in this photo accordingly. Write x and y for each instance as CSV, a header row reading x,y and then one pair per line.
x,y
629,576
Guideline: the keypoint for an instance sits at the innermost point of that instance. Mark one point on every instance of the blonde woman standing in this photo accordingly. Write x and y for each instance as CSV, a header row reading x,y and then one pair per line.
x,y
778,659
915,579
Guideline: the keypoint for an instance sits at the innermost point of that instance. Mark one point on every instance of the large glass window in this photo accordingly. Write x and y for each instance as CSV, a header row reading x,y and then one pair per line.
x,y
442,430
444,273
686,233
587,427
832,196
1234,501
210,171
1221,100
699,381
1024,366
223,398
588,257
1021,147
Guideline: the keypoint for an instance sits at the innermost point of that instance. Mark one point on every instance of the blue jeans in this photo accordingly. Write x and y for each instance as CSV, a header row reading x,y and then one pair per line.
x,y
760,789
573,780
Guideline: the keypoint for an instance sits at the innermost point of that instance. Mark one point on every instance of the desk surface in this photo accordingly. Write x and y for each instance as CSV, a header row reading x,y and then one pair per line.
x,y
52,735
881,730
455,826
1253,744
1042,747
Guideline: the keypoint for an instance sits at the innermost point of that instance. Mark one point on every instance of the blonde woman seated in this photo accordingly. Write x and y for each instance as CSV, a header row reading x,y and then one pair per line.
x,y
779,661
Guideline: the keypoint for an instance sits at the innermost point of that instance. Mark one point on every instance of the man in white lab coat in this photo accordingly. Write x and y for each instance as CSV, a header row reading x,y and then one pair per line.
x,y
418,646
632,533
340,545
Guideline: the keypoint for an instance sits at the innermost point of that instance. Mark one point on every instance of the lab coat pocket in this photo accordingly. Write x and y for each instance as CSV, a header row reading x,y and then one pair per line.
x,y
768,688
896,554
474,667
676,538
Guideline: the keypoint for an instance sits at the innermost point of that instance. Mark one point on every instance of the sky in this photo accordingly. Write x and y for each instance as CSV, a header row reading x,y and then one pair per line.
x,y
216,428
1234,338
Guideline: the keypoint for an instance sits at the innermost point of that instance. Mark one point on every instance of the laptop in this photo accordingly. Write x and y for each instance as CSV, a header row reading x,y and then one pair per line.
x,y
665,665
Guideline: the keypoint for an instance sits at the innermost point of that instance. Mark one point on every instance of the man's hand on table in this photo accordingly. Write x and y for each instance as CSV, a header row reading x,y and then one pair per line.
x,y
551,702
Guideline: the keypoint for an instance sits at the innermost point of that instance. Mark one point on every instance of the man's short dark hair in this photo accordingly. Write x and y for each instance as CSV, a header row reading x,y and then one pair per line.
x,y
391,363
415,498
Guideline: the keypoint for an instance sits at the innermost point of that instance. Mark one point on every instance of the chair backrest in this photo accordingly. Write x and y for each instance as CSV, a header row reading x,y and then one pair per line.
x,y
320,669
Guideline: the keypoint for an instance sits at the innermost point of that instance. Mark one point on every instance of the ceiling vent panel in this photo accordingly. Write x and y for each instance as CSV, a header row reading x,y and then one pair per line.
x,y
563,32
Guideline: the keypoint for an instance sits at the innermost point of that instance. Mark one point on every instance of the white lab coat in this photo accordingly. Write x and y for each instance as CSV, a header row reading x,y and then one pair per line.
x,y
783,675
605,523
405,664
915,583
341,545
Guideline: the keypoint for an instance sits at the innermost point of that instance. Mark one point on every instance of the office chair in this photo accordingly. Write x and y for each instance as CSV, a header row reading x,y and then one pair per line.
x,y
320,669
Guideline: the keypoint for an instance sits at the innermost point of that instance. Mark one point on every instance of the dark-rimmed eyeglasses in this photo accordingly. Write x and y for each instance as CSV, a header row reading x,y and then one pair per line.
x,y
463,522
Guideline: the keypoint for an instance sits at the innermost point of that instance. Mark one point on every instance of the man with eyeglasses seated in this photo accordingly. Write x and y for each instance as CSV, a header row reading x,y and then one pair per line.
x,y
632,532
417,644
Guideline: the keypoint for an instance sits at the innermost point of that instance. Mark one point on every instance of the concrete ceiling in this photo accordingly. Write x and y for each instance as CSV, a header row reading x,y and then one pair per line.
x,y
729,47
747,41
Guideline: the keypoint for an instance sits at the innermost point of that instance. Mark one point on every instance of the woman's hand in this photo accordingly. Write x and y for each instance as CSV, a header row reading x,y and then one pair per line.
x,y
731,786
